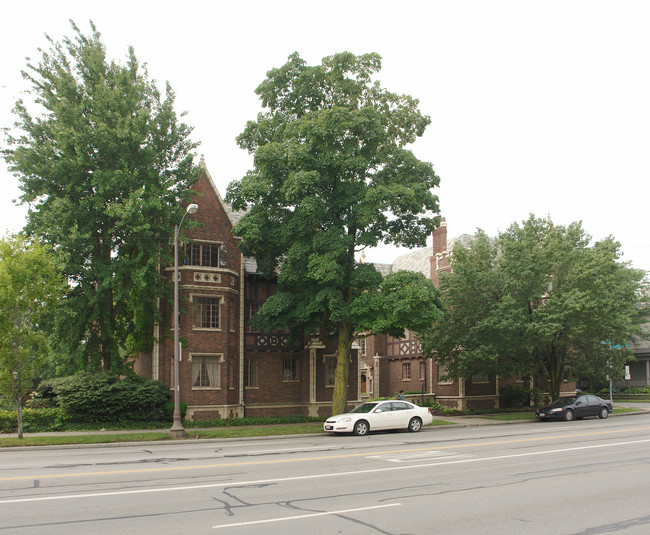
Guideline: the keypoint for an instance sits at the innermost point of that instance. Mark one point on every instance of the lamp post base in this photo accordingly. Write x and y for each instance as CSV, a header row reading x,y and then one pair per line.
x,y
177,433
177,430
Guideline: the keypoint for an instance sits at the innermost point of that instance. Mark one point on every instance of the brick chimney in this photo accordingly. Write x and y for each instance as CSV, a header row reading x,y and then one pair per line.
x,y
440,257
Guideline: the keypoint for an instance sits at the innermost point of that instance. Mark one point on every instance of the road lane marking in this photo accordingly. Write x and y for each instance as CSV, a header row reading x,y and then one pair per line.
x,y
285,450
417,456
308,459
300,517
315,476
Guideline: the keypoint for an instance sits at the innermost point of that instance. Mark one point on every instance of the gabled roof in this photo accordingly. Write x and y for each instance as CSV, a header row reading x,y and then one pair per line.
x,y
418,261
250,266
232,216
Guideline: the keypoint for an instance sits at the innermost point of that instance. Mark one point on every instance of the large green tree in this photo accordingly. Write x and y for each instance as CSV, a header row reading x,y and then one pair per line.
x,y
103,164
538,301
332,176
30,286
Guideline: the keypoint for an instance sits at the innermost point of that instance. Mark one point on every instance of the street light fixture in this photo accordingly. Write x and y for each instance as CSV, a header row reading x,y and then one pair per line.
x,y
177,430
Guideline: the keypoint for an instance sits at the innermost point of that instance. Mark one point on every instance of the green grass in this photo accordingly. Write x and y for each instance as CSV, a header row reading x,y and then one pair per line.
x,y
150,436
622,410
509,416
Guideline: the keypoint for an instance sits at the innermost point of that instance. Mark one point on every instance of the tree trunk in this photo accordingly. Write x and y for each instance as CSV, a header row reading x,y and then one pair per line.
x,y
19,412
340,397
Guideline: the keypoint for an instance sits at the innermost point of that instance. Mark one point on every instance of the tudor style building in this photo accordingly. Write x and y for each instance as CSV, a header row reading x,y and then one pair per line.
x,y
389,365
226,368
229,370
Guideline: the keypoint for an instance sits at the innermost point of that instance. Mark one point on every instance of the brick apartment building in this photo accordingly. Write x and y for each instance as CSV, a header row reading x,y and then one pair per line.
x,y
229,370
389,365
226,368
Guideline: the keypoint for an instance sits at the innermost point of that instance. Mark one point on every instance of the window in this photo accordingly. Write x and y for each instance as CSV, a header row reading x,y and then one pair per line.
x,y
204,254
330,371
443,370
423,371
290,368
205,312
362,346
251,371
480,378
406,371
231,374
250,309
206,372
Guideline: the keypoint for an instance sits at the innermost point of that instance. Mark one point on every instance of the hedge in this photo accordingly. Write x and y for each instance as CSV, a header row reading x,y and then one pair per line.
x,y
104,397
34,420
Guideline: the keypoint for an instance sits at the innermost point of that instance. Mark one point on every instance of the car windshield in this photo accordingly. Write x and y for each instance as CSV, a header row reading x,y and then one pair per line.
x,y
365,407
563,402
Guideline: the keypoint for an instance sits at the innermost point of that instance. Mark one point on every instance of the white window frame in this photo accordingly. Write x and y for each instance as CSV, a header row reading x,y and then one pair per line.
x,y
201,243
247,373
292,373
194,300
406,366
330,371
214,375
442,370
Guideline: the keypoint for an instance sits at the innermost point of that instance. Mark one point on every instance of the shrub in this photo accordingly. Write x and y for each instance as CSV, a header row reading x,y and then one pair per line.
x,y
514,396
104,397
43,396
266,420
169,410
623,392
34,420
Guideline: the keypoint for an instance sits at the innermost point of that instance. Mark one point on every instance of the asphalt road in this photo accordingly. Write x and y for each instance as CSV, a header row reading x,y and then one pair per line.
x,y
584,477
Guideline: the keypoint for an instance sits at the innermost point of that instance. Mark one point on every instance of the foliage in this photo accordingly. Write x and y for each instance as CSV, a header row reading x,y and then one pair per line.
x,y
331,177
29,288
633,391
55,419
34,420
267,420
169,410
539,301
512,396
104,165
104,397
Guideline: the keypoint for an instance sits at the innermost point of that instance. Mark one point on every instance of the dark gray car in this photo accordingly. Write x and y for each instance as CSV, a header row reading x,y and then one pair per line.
x,y
575,407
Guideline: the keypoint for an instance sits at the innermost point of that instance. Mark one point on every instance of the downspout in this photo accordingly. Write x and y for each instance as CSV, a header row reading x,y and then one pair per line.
x,y
242,334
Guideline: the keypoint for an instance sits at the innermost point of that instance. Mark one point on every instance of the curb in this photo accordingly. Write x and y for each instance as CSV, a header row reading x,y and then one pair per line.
x,y
461,421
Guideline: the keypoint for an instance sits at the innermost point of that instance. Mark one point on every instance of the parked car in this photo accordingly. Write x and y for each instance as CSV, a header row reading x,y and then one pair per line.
x,y
575,407
380,415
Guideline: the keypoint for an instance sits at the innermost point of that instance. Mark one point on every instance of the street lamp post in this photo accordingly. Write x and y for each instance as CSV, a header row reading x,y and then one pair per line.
x,y
177,430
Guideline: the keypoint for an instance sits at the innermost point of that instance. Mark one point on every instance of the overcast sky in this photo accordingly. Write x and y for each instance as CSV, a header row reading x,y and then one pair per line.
x,y
536,107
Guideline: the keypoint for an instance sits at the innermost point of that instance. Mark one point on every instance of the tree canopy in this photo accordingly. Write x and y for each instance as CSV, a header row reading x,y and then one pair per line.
x,y
103,164
30,286
538,301
332,176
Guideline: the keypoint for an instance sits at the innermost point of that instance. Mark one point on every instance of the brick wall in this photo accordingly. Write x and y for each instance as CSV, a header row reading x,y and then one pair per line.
x,y
274,395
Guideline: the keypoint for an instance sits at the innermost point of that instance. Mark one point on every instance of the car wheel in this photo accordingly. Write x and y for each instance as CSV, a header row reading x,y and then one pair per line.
x,y
604,413
361,428
415,425
568,415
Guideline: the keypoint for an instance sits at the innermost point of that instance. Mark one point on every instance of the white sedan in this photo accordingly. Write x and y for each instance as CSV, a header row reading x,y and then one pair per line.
x,y
380,415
